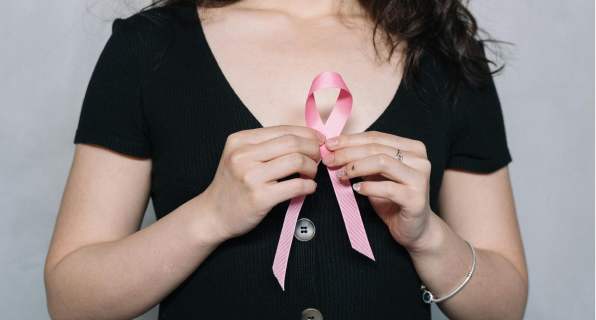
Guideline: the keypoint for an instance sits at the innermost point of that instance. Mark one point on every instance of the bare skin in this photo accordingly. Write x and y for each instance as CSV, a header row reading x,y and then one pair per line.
x,y
101,266
271,68
475,207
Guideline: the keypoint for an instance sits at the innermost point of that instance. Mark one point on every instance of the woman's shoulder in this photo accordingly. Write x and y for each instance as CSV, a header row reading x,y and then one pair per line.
x,y
428,82
152,32
157,19
433,74
155,26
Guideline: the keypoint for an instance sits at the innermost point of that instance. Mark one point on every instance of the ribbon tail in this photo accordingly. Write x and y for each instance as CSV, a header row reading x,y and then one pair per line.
x,y
280,261
351,215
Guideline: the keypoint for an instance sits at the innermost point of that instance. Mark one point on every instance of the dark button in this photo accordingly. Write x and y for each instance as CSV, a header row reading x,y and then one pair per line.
x,y
305,230
311,314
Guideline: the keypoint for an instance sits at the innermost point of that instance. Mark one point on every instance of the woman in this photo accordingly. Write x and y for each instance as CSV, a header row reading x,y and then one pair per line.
x,y
206,116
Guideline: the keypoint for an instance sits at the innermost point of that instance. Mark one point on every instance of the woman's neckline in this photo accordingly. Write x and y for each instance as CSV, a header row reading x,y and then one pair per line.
x,y
228,87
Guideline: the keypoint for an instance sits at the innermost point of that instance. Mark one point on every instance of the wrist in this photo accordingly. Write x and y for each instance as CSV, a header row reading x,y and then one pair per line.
x,y
432,238
206,228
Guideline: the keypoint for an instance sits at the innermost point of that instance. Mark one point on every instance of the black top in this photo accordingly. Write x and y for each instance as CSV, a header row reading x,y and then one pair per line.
x,y
158,92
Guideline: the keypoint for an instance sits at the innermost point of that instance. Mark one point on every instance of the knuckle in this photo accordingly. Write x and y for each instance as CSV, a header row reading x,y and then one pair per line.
x,y
244,177
236,161
368,149
292,141
421,147
231,159
233,139
427,166
383,160
236,157
297,160
282,131
374,148
376,136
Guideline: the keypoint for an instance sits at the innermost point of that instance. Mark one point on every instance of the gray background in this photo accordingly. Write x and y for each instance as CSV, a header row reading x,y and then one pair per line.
x,y
48,50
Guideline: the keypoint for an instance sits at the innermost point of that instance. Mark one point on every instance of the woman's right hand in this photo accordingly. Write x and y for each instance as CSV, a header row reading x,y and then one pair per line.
x,y
245,186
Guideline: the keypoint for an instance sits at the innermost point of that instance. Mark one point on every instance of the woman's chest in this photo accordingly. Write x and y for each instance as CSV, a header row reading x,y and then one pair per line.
x,y
189,125
271,69
191,107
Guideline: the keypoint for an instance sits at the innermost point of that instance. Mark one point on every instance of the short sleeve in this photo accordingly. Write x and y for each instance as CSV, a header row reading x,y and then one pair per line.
x,y
112,111
479,142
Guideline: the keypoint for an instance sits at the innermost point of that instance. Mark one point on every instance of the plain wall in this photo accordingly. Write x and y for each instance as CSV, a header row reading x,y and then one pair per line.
x,y
48,50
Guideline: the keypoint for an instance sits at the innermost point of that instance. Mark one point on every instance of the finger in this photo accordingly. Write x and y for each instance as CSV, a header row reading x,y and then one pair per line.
x,y
256,136
393,191
349,154
368,137
288,189
286,165
384,165
284,145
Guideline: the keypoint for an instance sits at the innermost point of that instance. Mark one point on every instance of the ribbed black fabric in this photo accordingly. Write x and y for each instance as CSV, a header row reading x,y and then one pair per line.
x,y
158,92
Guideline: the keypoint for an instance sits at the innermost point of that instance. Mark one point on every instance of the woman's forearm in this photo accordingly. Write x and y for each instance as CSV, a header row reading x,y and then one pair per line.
x,y
496,290
125,278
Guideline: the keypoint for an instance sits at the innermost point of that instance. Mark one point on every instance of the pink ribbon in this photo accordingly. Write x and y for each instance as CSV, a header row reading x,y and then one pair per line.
x,y
343,189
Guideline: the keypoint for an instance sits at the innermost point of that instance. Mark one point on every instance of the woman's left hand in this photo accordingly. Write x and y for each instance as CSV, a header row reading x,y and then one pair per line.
x,y
397,190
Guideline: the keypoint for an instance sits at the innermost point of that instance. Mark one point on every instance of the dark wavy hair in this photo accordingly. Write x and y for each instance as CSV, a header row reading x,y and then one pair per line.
x,y
444,29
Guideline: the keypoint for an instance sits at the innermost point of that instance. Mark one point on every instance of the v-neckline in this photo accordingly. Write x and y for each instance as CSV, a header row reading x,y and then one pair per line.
x,y
228,87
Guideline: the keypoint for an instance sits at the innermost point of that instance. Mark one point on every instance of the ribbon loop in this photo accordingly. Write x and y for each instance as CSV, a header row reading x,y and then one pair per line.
x,y
343,190
340,113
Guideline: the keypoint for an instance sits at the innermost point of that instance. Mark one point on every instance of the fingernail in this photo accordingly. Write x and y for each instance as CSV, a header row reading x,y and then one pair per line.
x,y
356,186
340,172
321,137
331,142
328,158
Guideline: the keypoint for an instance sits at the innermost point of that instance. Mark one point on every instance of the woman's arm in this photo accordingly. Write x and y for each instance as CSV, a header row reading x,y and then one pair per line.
x,y
98,265
477,207
480,209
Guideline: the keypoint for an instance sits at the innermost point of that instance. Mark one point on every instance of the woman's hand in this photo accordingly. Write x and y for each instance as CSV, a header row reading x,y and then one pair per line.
x,y
397,190
245,187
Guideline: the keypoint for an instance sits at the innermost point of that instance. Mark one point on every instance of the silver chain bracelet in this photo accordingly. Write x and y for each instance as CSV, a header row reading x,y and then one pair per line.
x,y
429,298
